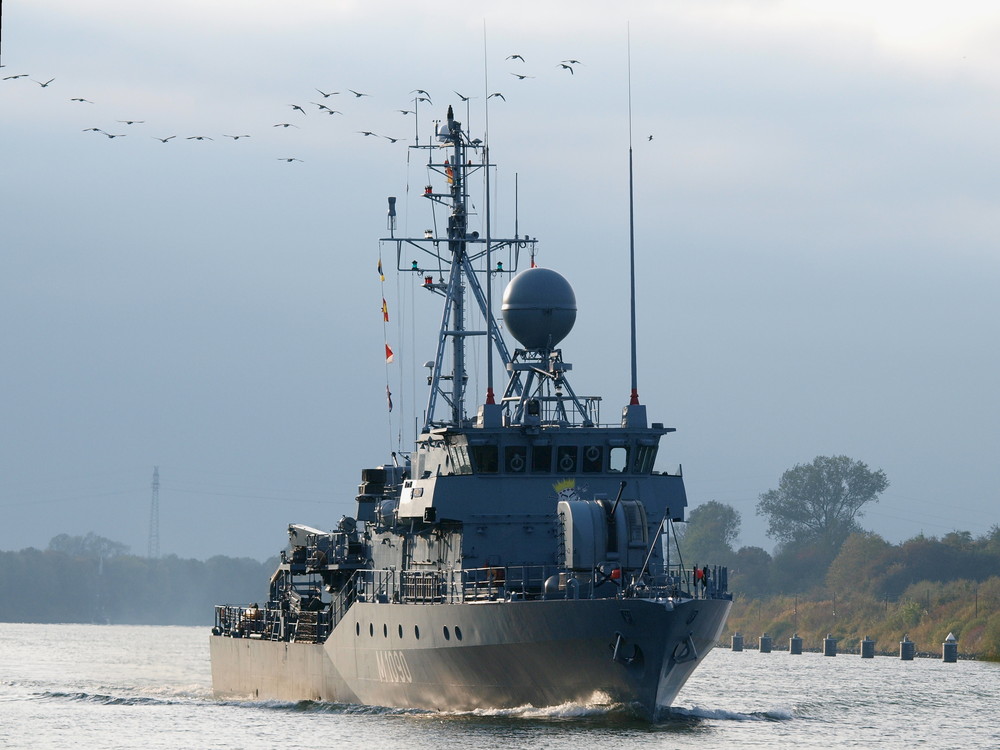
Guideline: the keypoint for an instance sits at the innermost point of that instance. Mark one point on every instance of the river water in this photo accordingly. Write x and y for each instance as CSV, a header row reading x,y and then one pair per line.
x,y
96,686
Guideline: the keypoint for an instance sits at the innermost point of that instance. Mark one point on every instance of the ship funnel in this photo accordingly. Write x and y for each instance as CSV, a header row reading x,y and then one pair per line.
x,y
539,308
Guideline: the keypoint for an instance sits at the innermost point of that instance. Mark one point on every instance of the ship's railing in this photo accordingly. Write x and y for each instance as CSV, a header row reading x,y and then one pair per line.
x,y
310,620
527,582
274,621
677,582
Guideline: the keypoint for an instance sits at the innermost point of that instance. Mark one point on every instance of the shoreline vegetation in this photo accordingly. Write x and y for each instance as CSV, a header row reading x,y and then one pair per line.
x,y
926,613
829,576
95,580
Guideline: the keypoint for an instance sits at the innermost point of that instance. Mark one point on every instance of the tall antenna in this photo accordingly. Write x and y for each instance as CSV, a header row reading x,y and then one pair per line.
x,y
489,239
634,396
154,517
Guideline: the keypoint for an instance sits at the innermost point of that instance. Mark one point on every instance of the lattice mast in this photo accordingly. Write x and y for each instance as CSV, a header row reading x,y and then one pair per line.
x,y
153,550
462,257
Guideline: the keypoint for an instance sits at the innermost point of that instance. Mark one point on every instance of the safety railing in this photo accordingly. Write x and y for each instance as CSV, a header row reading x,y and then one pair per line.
x,y
276,620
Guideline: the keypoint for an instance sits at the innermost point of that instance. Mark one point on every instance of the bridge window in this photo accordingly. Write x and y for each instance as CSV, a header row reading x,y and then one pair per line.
x,y
618,461
485,458
541,459
593,458
566,459
645,456
459,455
515,458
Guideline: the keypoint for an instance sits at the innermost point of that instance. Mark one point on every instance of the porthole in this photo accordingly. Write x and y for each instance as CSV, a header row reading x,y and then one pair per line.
x,y
400,631
416,632
447,633
371,629
357,628
385,630
458,633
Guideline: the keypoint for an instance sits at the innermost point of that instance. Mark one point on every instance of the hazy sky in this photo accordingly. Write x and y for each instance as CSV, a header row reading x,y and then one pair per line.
x,y
818,217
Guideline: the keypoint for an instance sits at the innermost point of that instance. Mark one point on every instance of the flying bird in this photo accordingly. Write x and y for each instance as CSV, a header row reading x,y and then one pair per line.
x,y
521,77
296,106
288,158
326,95
14,78
87,130
573,62
285,125
199,138
131,122
114,135
332,111
80,99
43,85
367,132
406,111
358,94
163,140
497,94
515,57
650,137
464,98
235,137
419,91
423,99
567,67
390,138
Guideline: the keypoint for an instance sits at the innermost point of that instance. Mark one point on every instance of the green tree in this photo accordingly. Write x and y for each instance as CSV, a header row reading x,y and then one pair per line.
x,y
800,567
864,562
750,572
990,541
818,503
91,545
711,531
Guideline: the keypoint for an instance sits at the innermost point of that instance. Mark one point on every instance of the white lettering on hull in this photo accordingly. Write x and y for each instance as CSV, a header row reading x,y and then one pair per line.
x,y
392,666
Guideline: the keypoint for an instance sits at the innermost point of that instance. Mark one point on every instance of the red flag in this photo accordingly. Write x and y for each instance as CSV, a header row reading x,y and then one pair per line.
x,y
385,311
449,172
388,355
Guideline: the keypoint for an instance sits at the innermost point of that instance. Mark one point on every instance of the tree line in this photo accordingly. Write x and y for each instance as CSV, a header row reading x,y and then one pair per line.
x,y
814,515
91,579
825,562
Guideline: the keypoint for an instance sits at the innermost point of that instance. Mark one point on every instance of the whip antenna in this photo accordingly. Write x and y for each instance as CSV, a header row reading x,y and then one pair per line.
x,y
489,240
634,396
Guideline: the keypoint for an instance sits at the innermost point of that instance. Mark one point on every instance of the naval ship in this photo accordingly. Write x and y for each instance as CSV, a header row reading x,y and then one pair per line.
x,y
520,554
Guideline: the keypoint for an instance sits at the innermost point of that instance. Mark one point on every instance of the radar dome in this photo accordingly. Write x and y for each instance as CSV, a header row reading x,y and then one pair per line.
x,y
539,308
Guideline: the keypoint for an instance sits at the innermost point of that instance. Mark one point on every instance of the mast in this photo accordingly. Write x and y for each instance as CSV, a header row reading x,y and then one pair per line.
x,y
464,258
458,224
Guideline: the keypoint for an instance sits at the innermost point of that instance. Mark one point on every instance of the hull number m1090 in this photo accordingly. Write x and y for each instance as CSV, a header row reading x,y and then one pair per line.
x,y
392,667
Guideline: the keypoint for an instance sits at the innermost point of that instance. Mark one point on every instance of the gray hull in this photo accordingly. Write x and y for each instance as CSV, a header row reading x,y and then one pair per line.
x,y
488,655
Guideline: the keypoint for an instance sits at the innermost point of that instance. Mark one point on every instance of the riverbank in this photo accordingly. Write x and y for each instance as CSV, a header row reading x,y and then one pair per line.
x,y
926,612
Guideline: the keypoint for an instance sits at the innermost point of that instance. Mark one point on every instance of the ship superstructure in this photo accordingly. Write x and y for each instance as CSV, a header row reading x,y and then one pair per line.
x,y
516,555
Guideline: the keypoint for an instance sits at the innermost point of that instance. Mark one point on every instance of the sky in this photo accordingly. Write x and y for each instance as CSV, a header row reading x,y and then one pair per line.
x,y
817,217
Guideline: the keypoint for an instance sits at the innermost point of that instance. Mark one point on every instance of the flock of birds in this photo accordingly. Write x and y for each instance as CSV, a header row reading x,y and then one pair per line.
x,y
418,96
